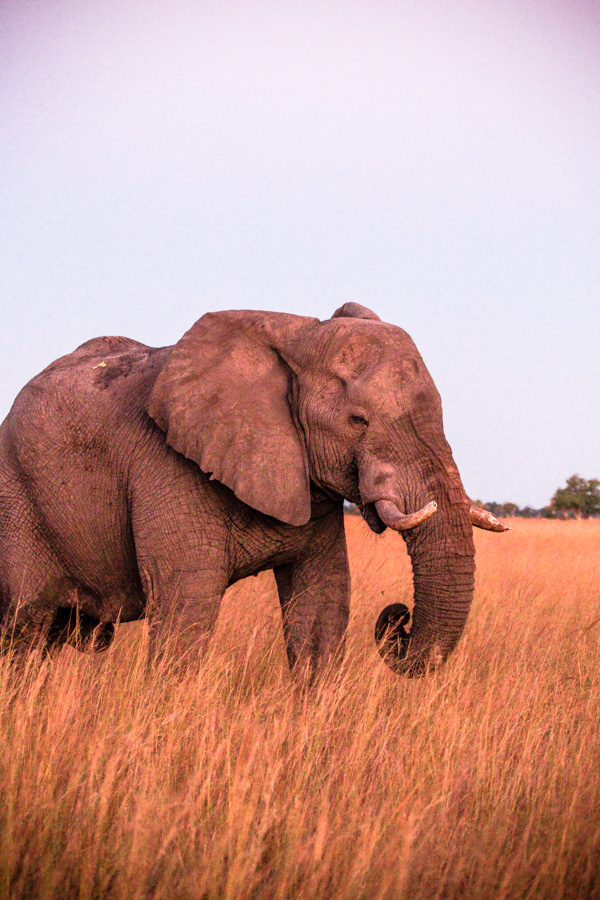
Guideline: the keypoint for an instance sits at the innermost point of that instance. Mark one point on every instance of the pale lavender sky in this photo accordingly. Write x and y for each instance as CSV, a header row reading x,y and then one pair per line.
x,y
437,161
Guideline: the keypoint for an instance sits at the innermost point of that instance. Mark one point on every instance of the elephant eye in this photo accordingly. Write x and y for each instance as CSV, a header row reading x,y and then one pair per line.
x,y
358,420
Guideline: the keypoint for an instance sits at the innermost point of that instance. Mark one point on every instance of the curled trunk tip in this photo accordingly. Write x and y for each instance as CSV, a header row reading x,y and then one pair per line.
x,y
393,643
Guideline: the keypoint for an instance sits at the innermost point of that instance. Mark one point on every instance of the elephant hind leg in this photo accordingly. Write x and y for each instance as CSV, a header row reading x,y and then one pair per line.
x,y
34,582
79,630
43,623
26,626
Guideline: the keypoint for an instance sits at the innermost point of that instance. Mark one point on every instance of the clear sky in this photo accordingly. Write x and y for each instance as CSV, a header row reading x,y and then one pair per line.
x,y
437,160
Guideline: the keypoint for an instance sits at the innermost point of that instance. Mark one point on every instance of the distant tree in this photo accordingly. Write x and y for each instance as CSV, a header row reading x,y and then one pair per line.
x,y
494,508
528,512
502,509
580,498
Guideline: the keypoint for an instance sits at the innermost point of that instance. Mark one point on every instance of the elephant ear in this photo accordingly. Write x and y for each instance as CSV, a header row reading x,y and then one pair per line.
x,y
355,311
222,400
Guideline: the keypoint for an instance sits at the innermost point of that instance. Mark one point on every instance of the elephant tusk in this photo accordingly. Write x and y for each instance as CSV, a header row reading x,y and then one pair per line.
x,y
481,518
391,516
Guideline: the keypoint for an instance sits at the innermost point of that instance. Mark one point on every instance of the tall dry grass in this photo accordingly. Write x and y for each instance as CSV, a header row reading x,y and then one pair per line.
x,y
481,781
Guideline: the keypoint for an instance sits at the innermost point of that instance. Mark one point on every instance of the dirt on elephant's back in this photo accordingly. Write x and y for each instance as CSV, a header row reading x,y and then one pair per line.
x,y
479,781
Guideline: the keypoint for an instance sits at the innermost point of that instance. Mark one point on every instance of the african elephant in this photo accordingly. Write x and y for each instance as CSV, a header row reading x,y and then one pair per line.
x,y
142,482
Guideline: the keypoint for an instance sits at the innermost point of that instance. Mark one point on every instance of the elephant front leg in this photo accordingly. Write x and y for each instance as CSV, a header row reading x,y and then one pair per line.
x,y
314,593
181,620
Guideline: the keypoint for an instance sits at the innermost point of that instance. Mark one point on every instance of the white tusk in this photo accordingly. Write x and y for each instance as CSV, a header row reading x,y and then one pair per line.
x,y
481,518
391,516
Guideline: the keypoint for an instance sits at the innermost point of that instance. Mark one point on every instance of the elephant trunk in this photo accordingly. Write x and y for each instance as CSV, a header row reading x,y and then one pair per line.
x,y
442,555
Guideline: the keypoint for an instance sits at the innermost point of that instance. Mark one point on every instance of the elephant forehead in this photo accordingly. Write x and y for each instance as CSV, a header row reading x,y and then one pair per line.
x,y
394,388
349,347
357,356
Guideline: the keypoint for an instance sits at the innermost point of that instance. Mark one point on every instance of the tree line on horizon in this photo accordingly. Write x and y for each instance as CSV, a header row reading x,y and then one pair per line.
x,y
579,499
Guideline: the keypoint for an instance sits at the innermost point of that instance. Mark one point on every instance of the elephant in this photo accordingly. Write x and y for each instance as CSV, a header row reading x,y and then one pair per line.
x,y
140,482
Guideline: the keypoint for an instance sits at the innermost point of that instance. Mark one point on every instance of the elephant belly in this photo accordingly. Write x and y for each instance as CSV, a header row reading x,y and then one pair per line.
x,y
105,571
122,606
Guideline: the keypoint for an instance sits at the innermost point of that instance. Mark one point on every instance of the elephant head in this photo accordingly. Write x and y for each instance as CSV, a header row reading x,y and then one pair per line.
x,y
268,403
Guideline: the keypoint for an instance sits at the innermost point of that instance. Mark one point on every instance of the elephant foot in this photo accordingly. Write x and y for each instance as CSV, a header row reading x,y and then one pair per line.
x,y
80,631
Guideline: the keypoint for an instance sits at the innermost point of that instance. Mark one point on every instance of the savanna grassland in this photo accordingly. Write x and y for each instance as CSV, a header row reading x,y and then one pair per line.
x,y
480,781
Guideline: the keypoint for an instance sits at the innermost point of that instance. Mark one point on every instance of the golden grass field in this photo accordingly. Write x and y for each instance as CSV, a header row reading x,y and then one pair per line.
x,y
480,781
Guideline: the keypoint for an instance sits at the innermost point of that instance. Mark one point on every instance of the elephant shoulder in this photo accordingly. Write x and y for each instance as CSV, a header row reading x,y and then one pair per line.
x,y
75,403
95,365
110,344
105,372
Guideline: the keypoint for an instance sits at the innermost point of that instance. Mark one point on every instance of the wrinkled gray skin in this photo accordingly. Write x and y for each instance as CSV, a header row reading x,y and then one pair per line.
x,y
139,482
